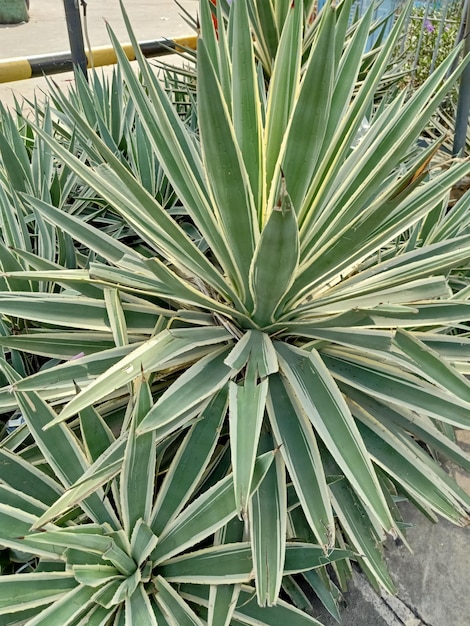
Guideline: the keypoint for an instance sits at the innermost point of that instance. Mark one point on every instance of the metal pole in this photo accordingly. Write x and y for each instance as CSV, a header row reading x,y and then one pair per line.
x,y
463,104
74,27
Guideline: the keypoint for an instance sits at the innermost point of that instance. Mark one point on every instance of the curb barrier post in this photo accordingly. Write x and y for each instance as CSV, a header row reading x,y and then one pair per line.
x,y
463,104
74,28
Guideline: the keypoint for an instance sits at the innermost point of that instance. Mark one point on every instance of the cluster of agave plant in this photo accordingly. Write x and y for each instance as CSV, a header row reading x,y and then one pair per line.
x,y
233,340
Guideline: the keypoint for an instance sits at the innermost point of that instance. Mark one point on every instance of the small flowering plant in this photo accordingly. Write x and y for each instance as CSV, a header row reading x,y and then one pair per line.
x,y
430,38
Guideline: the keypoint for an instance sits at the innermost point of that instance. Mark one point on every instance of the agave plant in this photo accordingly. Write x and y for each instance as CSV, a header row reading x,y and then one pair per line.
x,y
120,557
301,308
267,19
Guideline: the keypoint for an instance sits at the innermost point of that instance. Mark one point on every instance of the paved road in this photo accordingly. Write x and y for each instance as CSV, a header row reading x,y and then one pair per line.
x,y
46,31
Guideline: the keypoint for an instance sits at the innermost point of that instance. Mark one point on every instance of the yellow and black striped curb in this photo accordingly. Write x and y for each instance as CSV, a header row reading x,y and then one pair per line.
x,y
20,69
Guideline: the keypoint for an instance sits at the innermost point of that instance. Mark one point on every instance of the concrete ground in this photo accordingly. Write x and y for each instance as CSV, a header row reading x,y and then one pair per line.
x,y
434,582
46,33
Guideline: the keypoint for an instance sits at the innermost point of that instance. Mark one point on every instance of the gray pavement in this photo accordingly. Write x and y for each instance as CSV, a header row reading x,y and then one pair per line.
x,y
46,32
434,582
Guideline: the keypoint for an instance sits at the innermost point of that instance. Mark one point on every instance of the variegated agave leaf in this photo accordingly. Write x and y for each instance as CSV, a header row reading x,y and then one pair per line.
x,y
304,308
144,536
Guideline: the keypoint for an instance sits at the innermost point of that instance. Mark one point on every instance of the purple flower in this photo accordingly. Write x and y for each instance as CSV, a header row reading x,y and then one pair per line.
x,y
428,26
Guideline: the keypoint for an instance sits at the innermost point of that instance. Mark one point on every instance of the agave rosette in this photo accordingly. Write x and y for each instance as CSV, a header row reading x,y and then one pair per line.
x,y
326,353
160,542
